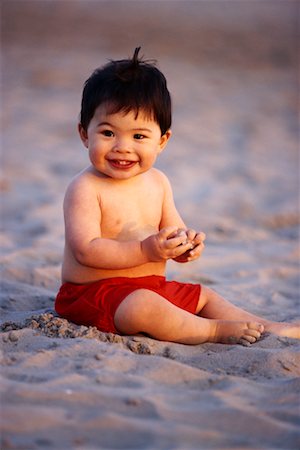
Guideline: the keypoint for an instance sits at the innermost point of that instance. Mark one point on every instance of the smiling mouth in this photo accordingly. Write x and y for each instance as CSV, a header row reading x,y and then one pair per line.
x,y
122,164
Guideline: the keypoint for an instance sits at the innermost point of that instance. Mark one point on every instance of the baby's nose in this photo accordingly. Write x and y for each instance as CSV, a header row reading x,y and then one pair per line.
x,y
122,146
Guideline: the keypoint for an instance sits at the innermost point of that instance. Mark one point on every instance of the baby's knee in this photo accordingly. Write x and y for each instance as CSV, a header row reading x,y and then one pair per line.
x,y
131,313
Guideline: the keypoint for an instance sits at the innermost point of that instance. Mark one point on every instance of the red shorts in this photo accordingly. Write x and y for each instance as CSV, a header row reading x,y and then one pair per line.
x,y
95,304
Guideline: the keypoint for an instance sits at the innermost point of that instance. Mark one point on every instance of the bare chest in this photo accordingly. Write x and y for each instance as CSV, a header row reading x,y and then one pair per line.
x,y
130,212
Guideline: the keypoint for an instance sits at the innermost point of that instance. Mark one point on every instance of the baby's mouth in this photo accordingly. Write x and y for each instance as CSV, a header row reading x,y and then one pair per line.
x,y
122,163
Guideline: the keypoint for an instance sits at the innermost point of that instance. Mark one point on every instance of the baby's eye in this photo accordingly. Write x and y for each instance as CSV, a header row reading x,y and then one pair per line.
x,y
139,136
107,133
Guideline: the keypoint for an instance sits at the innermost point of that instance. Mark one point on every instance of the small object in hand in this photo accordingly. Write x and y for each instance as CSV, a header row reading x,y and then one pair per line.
x,y
183,233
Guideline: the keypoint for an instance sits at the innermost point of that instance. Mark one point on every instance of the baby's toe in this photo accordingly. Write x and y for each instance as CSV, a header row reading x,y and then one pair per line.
x,y
253,332
248,339
255,329
244,342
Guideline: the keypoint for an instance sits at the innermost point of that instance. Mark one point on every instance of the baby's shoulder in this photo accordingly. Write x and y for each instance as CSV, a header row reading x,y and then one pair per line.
x,y
158,176
84,183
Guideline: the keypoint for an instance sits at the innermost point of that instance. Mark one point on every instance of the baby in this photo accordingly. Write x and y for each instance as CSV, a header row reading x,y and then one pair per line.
x,y
122,226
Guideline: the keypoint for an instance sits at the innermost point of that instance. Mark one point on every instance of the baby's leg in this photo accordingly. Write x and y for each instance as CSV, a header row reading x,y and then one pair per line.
x,y
212,306
144,311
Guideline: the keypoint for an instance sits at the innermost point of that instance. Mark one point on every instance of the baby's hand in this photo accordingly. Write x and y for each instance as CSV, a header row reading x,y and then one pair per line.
x,y
169,243
197,242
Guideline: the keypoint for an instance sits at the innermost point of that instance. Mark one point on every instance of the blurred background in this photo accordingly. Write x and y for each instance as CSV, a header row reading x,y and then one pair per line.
x,y
233,72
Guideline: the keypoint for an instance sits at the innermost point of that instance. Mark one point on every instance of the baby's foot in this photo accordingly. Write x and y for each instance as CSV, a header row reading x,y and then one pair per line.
x,y
290,330
234,332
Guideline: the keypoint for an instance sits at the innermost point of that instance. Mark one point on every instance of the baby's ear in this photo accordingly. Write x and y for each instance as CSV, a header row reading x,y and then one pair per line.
x,y
83,135
164,139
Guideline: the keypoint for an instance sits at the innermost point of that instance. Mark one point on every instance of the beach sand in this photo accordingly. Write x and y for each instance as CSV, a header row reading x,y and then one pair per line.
x,y
232,69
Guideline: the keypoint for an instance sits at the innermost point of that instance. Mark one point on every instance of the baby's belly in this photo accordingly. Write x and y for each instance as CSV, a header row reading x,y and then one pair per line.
x,y
74,272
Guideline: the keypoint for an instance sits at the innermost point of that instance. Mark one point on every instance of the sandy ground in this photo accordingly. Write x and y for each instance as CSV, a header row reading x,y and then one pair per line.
x,y
233,161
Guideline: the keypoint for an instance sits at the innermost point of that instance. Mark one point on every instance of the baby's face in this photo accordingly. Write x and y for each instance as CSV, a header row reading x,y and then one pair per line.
x,y
122,145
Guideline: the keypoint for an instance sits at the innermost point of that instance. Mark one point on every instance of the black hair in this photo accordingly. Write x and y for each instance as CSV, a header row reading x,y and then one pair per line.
x,y
128,85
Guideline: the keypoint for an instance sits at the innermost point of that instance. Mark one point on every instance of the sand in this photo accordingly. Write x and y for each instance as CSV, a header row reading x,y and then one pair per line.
x,y
234,164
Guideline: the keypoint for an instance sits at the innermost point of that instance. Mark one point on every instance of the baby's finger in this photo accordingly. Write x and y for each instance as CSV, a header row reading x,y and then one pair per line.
x,y
177,241
200,237
195,252
167,233
181,249
191,234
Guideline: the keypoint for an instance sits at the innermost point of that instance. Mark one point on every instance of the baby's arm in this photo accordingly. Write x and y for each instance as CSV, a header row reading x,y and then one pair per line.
x,y
171,216
82,211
